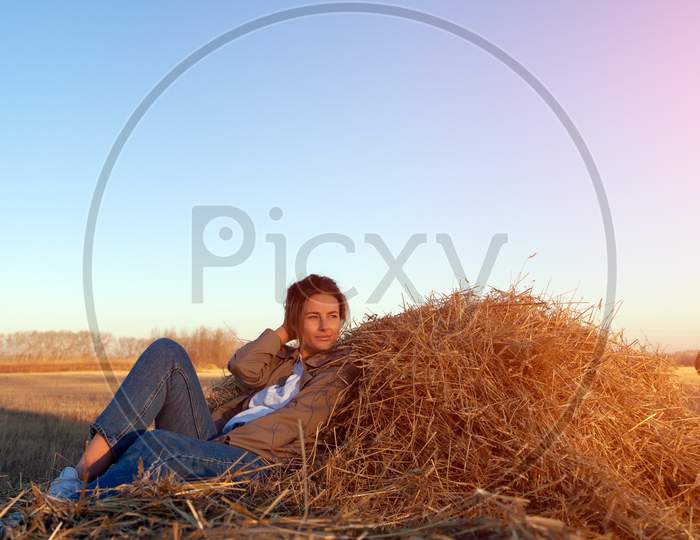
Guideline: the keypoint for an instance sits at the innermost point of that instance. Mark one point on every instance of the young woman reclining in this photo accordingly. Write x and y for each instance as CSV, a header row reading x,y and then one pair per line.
x,y
256,429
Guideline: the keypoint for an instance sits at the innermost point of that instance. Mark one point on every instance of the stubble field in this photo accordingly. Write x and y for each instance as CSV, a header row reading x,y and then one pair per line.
x,y
45,418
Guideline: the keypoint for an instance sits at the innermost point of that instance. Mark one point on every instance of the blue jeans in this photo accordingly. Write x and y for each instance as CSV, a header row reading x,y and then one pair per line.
x,y
163,387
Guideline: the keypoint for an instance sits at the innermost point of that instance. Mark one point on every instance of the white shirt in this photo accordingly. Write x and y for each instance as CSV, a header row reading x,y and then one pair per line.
x,y
270,398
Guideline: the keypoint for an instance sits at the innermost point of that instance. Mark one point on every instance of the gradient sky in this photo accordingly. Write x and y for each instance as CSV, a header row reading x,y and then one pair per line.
x,y
350,124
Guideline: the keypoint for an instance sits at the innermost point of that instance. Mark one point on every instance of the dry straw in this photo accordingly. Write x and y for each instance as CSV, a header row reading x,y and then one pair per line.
x,y
455,395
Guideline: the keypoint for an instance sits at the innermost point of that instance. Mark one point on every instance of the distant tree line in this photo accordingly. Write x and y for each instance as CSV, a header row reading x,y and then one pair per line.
x,y
205,346
685,358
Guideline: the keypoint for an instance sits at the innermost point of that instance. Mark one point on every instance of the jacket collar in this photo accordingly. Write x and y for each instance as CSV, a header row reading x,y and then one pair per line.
x,y
315,360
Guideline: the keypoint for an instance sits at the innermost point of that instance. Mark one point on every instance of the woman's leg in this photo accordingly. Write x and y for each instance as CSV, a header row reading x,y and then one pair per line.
x,y
162,386
189,458
96,458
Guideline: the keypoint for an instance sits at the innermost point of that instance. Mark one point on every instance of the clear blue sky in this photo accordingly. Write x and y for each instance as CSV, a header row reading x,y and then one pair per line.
x,y
351,124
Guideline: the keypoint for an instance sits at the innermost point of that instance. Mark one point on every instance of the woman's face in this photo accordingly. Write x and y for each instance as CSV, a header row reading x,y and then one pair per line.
x,y
320,323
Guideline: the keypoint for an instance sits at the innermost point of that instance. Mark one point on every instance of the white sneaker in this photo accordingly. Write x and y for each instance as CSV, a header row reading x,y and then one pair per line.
x,y
63,487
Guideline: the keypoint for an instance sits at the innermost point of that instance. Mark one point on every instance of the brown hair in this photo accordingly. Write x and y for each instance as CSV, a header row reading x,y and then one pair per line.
x,y
298,292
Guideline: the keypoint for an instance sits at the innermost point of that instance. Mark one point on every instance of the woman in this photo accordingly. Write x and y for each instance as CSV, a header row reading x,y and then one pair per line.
x,y
260,427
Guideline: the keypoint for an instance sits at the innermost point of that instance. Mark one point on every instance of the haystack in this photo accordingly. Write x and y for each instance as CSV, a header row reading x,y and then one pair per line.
x,y
488,417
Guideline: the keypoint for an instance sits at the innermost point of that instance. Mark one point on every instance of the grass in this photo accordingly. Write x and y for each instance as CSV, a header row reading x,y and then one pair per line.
x,y
45,419
691,382
688,376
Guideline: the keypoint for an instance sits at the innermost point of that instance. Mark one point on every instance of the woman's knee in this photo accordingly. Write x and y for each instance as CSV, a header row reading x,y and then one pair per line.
x,y
168,345
168,352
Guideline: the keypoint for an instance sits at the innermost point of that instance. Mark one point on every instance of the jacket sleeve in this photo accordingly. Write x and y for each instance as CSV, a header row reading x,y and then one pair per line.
x,y
313,405
253,363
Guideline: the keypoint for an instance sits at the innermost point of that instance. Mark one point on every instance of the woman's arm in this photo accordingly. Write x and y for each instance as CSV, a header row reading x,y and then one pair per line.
x,y
254,361
283,334
278,431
